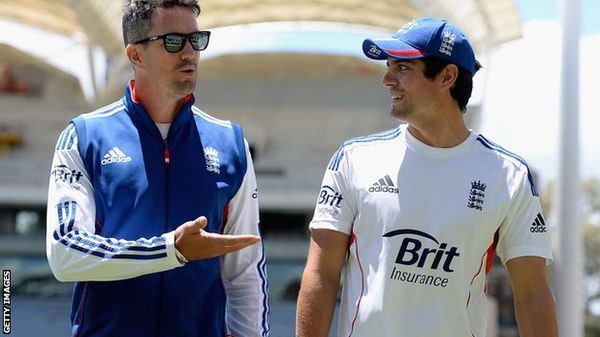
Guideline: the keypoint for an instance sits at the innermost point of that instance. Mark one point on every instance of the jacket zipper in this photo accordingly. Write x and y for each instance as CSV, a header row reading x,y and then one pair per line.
x,y
167,163
167,155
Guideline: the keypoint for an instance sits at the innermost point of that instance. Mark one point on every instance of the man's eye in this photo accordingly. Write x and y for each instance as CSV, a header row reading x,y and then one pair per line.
x,y
402,67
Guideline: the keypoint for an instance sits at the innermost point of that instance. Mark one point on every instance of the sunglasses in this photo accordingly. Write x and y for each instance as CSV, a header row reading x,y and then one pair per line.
x,y
174,42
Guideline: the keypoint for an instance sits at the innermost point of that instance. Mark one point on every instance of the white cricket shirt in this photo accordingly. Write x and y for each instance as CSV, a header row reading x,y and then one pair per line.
x,y
425,224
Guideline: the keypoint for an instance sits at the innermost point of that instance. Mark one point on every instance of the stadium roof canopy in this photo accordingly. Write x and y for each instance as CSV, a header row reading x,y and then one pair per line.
x,y
98,22
486,22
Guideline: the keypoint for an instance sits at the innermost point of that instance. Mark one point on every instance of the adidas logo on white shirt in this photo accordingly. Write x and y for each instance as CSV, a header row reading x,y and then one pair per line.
x,y
538,225
115,156
385,185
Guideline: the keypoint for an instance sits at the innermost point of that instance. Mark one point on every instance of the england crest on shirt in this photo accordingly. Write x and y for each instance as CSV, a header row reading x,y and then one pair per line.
x,y
476,195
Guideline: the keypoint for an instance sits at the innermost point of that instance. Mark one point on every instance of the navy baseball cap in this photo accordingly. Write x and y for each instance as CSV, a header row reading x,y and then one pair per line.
x,y
424,37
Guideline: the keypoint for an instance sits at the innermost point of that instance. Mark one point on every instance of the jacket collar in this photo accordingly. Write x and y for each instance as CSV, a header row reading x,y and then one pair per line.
x,y
135,99
137,111
139,114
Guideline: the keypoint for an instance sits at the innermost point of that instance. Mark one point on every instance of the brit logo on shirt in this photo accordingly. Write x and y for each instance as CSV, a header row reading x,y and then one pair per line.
x,y
476,195
212,160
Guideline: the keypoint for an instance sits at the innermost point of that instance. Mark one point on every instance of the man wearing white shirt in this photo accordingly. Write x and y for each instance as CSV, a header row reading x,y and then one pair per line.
x,y
417,213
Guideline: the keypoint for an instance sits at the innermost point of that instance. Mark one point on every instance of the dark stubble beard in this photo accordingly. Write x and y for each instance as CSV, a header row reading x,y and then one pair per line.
x,y
183,88
400,114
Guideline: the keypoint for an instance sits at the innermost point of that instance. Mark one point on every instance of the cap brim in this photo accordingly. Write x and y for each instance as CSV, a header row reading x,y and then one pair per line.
x,y
381,49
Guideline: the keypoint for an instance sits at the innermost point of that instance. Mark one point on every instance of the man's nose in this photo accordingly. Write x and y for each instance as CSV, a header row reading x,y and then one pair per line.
x,y
188,51
388,80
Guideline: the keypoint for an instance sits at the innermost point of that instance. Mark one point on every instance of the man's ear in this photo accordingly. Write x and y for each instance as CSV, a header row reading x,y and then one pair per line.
x,y
448,76
135,55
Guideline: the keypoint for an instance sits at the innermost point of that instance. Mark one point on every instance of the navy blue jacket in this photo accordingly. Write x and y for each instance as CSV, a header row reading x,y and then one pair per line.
x,y
120,249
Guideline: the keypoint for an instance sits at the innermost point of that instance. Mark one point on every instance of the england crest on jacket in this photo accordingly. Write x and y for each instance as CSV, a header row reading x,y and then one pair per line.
x,y
212,159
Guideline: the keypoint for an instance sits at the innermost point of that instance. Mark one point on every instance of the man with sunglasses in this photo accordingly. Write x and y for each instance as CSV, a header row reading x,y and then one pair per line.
x,y
152,205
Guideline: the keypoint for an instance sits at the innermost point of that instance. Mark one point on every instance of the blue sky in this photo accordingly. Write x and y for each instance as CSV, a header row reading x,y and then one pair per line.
x,y
549,10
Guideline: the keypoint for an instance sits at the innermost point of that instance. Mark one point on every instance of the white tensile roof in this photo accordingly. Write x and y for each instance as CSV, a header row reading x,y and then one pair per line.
x,y
486,22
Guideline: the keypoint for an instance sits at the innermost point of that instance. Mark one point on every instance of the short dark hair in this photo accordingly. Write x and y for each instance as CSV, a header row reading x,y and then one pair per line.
x,y
138,13
463,87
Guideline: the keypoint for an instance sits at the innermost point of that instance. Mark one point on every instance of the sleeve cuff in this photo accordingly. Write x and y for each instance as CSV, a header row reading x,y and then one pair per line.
x,y
173,255
528,251
331,226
